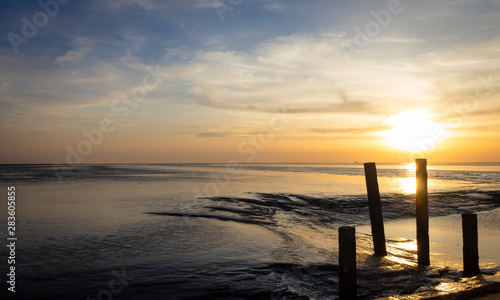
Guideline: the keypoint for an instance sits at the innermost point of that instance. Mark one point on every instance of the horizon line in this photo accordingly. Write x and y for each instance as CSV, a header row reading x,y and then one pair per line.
x,y
246,163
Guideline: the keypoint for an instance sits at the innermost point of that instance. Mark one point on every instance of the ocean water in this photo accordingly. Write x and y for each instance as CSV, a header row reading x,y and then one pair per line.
x,y
222,231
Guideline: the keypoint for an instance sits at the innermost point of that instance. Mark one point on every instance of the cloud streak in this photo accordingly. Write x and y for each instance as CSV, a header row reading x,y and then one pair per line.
x,y
368,129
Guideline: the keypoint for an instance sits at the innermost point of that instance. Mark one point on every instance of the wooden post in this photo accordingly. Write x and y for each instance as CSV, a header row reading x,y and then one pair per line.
x,y
470,247
376,219
347,263
422,213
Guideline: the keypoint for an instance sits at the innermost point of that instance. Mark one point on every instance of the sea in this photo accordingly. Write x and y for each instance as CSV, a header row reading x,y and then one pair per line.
x,y
226,231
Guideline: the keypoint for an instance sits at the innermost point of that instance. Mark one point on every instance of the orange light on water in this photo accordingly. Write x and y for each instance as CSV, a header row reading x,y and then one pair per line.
x,y
407,185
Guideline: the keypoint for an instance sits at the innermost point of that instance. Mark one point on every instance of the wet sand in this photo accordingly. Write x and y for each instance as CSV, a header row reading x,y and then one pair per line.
x,y
446,255
489,297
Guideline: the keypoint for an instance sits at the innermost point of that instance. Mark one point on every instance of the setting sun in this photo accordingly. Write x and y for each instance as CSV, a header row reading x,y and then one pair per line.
x,y
413,131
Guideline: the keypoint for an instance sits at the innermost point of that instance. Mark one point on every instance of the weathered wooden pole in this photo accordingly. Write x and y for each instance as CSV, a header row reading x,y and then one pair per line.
x,y
376,219
422,213
348,286
470,247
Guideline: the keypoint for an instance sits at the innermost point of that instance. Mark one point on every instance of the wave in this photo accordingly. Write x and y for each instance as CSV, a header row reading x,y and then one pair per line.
x,y
295,218
279,209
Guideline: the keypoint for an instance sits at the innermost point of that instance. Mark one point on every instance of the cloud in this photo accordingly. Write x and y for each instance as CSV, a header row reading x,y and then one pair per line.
x,y
396,40
72,56
144,4
212,134
301,99
206,99
276,6
208,3
152,5
306,73
356,130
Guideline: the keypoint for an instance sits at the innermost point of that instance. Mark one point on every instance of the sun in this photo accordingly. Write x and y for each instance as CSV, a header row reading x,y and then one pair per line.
x,y
413,131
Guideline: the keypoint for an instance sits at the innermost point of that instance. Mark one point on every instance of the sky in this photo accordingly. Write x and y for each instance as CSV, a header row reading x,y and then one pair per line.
x,y
195,81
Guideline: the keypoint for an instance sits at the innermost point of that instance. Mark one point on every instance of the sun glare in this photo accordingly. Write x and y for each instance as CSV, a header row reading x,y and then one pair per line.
x,y
411,168
413,131
408,184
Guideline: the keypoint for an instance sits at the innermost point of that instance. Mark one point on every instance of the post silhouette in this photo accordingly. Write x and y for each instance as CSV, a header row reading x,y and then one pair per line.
x,y
376,218
348,286
470,247
422,213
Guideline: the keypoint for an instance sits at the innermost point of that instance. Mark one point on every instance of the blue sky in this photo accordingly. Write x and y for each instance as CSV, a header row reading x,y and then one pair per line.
x,y
340,70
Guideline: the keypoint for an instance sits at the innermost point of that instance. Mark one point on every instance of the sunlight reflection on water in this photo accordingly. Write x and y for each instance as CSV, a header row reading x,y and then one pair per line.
x,y
408,185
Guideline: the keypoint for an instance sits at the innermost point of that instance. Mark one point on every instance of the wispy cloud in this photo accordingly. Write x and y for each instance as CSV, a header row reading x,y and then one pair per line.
x,y
208,3
355,130
144,4
213,134
72,56
276,6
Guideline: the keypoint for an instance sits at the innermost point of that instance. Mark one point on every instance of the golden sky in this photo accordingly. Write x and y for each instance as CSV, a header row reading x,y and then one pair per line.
x,y
251,81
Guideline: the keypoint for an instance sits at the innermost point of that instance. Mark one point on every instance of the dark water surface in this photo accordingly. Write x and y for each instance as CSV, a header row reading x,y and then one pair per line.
x,y
213,231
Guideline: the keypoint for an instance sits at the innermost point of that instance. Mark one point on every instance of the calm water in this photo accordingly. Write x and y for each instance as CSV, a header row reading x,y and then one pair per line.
x,y
212,231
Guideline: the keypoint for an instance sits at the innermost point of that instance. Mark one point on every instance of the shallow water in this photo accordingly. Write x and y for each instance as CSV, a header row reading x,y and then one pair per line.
x,y
210,231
